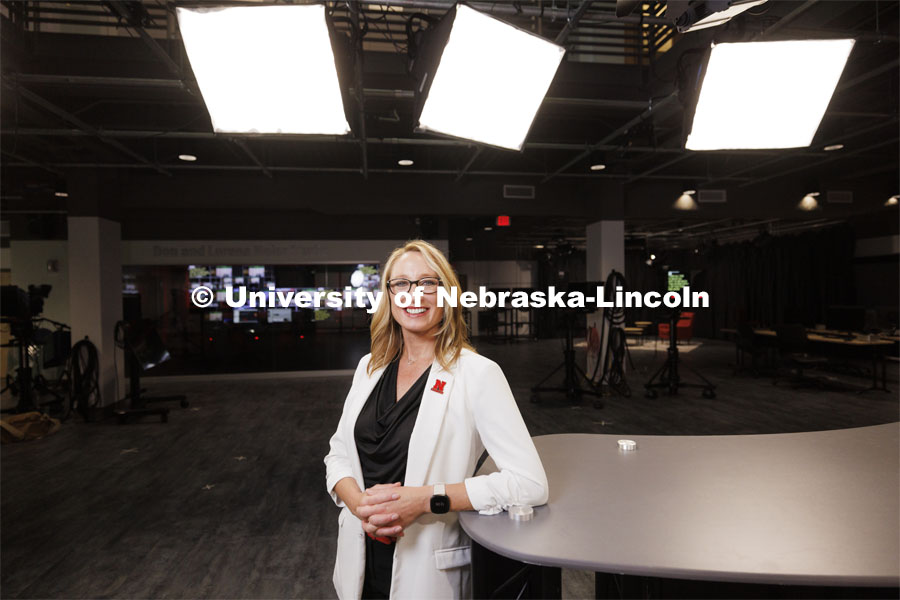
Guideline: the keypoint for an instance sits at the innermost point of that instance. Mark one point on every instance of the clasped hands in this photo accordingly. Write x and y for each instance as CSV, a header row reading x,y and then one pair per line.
x,y
387,509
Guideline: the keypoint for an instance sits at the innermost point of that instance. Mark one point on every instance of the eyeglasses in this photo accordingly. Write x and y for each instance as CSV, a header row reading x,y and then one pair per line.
x,y
428,284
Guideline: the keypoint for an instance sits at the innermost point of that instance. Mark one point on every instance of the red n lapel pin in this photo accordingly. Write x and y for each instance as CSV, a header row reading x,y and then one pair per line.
x,y
438,386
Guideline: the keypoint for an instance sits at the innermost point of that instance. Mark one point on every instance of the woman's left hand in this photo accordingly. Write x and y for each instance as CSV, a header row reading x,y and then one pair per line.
x,y
411,503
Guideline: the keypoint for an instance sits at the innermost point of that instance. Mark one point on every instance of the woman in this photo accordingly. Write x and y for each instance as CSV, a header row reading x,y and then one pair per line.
x,y
422,408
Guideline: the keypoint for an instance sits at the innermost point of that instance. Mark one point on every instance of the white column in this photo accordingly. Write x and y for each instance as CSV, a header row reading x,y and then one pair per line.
x,y
95,294
605,252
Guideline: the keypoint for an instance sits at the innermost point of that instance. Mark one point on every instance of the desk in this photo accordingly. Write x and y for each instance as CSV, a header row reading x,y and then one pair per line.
x,y
637,332
875,349
817,508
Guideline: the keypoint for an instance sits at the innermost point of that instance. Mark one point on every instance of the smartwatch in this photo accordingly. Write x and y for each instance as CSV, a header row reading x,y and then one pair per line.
x,y
440,502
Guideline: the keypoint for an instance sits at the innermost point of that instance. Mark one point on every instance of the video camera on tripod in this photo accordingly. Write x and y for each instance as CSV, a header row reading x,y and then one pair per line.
x,y
21,310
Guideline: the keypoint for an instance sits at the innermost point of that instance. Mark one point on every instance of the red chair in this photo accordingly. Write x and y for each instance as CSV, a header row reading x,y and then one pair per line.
x,y
684,328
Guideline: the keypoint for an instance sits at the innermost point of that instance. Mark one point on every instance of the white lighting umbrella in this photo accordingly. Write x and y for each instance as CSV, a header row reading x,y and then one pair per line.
x,y
766,94
490,82
265,69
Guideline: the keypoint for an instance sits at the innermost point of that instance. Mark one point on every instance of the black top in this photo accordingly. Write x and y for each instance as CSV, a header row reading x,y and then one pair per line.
x,y
384,427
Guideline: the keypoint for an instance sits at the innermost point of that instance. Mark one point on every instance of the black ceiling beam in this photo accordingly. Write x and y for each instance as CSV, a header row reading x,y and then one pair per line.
x,y
789,155
783,21
444,143
842,155
243,146
515,10
32,163
70,118
572,23
331,170
138,82
356,37
472,159
891,66
891,166
612,136
123,11
660,167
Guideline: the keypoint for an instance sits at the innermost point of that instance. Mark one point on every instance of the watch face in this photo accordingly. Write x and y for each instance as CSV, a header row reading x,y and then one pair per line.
x,y
440,504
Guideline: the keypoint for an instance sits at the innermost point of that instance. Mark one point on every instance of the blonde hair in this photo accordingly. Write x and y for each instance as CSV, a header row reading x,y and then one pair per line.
x,y
387,339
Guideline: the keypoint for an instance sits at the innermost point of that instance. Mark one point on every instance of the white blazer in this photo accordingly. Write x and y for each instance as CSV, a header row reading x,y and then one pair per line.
x,y
474,411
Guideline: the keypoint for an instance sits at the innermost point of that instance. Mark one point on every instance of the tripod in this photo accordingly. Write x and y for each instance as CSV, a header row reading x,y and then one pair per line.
x,y
27,385
574,374
667,378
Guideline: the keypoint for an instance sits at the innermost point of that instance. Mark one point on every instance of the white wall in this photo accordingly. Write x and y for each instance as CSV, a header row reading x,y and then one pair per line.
x,y
605,252
28,266
96,301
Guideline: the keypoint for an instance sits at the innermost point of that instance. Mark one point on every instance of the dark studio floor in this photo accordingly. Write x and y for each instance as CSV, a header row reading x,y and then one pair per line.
x,y
227,500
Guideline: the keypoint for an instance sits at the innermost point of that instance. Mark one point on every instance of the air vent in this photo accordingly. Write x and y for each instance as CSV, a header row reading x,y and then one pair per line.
x,y
712,196
519,192
838,197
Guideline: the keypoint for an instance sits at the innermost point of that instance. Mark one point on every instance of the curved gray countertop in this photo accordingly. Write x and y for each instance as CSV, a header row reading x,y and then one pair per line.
x,y
817,508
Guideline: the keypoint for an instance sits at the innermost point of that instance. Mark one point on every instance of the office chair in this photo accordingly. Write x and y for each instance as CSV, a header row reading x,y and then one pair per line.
x,y
793,353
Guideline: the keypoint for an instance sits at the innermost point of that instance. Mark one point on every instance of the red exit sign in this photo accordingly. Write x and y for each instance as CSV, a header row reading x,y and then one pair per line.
x,y
503,221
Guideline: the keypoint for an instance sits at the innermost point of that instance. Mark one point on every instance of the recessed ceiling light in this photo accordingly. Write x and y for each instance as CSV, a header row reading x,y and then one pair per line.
x,y
892,201
539,246
405,162
187,157
469,239
598,167
61,194
488,228
652,257
833,147
689,192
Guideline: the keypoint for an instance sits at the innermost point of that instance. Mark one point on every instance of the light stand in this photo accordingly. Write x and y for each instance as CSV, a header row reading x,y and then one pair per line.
x,y
667,377
574,374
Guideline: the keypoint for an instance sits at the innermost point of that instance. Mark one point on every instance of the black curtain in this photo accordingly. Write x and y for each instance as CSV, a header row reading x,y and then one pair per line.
x,y
767,281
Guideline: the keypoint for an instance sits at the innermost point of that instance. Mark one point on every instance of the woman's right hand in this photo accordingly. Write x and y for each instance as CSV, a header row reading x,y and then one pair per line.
x,y
378,524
